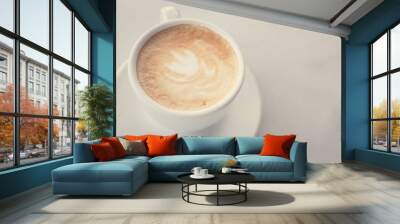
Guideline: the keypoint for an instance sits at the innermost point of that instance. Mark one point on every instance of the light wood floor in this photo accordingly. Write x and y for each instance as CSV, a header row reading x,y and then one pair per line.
x,y
353,182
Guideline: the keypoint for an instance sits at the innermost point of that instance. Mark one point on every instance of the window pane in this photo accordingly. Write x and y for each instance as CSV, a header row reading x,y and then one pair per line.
x,y
6,74
395,136
7,14
33,139
62,29
81,131
379,100
379,55
6,142
62,137
379,135
81,45
395,47
62,89
35,21
81,81
34,72
395,94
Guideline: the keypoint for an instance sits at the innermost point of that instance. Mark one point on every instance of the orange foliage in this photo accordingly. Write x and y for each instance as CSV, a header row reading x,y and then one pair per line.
x,y
34,130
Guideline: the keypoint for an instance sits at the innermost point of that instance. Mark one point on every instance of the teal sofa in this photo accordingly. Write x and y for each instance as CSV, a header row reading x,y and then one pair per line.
x,y
125,176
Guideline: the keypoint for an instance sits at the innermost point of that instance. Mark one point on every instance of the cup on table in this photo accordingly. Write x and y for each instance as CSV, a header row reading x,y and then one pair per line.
x,y
226,170
197,171
203,172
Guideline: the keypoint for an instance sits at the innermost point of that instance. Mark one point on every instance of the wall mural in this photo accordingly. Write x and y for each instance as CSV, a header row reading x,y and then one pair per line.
x,y
195,72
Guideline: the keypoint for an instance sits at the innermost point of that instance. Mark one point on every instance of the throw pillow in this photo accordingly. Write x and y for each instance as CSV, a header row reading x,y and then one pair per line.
x,y
103,152
116,145
136,137
277,145
137,148
161,145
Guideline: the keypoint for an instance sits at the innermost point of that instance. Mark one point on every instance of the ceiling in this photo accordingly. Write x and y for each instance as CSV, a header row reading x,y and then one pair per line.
x,y
318,9
327,16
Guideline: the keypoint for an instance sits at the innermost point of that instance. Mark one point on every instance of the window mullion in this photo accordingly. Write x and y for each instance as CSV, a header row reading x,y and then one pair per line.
x,y
73,82
50,81
16,84
389,88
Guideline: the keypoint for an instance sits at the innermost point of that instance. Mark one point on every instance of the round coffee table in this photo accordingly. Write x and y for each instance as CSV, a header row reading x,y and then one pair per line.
x,y
238,179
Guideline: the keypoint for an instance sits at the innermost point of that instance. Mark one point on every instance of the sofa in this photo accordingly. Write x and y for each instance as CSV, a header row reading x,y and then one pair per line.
x,y
126,175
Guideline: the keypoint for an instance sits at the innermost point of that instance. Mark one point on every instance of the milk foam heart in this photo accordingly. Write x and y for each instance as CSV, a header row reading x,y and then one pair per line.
x,y
187,67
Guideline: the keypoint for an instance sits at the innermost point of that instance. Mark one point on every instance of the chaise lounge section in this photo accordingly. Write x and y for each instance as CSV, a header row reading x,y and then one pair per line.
x,y
125,176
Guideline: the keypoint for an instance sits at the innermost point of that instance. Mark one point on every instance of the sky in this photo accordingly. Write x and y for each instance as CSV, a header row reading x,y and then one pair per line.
x,y
35,27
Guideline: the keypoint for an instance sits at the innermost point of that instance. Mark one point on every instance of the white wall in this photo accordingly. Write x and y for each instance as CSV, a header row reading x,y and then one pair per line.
x,y
293,83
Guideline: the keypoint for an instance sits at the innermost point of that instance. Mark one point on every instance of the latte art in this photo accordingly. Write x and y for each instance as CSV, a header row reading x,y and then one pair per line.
x,y
187,67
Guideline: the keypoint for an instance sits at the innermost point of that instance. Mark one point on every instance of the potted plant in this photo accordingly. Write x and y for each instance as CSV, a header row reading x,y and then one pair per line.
x,y
96,103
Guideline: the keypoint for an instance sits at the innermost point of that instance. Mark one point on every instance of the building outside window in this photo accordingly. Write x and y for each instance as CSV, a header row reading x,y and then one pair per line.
x,y
58,127
30,87
3,72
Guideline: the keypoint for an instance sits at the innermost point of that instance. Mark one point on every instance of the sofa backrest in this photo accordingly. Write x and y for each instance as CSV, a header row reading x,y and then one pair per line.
x,y
249,145
83,152
193,145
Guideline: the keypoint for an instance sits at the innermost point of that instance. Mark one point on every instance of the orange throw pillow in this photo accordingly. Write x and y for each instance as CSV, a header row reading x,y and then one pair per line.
x,y
161,145
116,145
103,152
136,137
277,145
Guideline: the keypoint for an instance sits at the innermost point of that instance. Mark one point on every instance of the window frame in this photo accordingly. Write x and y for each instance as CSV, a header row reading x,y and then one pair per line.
x,y
388,74
16,115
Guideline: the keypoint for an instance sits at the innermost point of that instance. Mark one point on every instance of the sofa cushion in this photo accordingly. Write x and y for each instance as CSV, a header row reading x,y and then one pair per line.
x,y
249,145
257,163
103,152
277,145
159,145
112,171
185,163
206,145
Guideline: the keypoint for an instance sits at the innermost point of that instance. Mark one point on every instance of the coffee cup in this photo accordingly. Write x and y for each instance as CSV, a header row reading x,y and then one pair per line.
x,y
196,171
226,170
203,172
187,87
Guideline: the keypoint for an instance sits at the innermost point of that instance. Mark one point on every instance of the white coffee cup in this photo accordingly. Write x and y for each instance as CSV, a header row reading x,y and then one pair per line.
x,y
174,119
203,172
197,171
226,170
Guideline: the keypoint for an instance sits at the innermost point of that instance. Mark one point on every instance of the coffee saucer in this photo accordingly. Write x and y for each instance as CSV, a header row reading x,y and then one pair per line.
x,y
208,176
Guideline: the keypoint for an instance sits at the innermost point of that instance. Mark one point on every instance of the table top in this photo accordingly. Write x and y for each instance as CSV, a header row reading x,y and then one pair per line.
x,y
220,178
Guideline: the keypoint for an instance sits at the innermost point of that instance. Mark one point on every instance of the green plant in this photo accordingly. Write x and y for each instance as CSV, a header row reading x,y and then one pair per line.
x,y
96,102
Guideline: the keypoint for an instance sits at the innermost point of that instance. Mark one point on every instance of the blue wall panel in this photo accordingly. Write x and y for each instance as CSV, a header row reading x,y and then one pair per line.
x,y
24,178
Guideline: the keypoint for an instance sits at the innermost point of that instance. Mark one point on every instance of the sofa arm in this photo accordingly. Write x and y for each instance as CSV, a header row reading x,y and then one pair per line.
x,y
298,155
83,152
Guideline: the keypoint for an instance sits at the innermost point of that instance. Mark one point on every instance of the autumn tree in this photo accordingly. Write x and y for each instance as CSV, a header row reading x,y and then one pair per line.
x,y
380,127
33,131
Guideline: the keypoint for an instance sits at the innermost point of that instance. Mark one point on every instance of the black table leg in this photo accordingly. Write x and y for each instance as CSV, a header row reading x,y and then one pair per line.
x,y
245,193
217,194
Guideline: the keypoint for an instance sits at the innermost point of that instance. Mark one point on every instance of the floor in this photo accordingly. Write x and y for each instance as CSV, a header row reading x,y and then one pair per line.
x,y
351,181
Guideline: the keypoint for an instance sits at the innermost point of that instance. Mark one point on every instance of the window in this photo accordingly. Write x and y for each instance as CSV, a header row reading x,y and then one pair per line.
x,y
30,72
30,87
41,124
385,91
3,78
